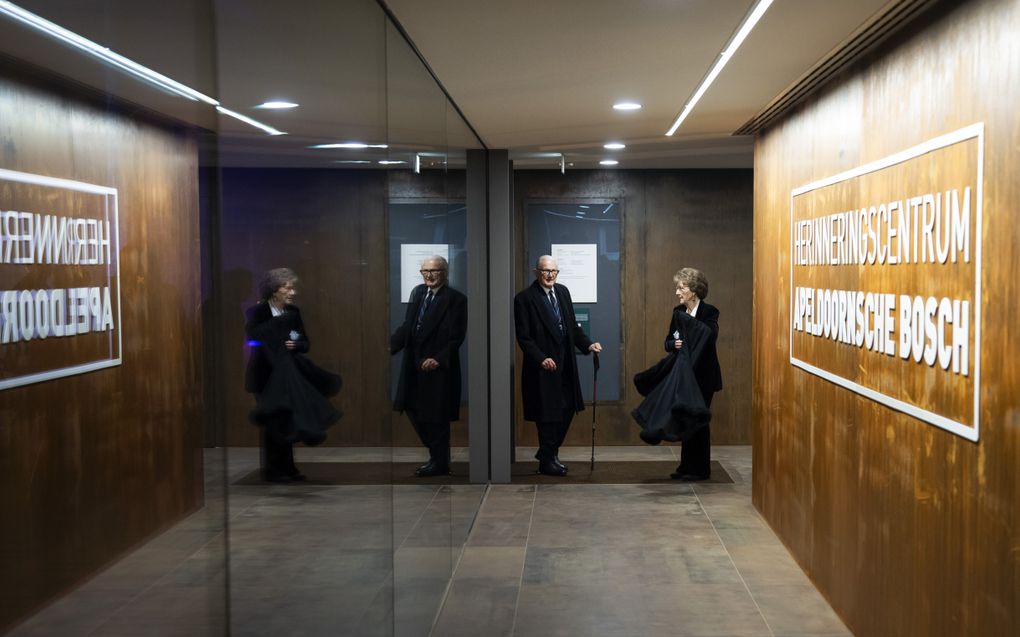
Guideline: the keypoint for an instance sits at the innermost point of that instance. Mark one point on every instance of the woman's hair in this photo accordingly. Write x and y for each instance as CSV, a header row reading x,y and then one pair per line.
x,y
693,280
275,279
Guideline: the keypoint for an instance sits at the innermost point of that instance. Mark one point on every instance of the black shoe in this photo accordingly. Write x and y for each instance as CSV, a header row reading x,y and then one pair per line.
x,y
649,439
550,468
277,478
431,468
298,477
556,461
687,477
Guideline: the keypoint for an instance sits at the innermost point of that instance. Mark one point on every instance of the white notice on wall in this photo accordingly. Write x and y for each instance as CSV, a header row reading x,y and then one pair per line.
x,y
411,256
578,270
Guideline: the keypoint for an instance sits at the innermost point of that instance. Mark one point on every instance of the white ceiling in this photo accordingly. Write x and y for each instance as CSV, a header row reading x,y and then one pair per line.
x,y
541,76
537,77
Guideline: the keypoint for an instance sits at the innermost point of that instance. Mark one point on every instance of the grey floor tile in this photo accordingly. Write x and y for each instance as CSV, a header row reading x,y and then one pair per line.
x,y
798,610
765,566
491,563
475,608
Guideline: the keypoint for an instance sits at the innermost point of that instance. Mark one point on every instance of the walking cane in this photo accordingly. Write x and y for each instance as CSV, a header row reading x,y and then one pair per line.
x,y
594,402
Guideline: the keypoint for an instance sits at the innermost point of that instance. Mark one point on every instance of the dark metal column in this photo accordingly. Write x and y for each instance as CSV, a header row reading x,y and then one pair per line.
x,y
501,320
478,315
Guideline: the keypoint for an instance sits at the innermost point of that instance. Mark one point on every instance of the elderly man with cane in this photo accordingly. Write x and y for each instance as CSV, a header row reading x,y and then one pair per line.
x,y
548,333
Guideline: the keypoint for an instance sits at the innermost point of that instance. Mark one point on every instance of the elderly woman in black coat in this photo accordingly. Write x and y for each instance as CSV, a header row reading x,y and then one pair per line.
x,y
290,391
691,290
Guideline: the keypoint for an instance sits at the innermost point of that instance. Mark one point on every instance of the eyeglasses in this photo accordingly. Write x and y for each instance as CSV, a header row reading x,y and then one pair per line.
x,y
424,272
549,271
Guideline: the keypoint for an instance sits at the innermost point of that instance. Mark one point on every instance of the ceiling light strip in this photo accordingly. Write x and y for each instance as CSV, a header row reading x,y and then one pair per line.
x,y
352,145
141,72
103,53
731,47
250,121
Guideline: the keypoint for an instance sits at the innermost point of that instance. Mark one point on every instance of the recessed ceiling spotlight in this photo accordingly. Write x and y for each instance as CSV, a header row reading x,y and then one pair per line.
x,y
277,104
614,146
609,162
626,106
355,145
390,162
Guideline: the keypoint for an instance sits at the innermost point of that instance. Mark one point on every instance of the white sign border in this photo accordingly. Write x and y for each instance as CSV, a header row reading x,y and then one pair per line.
x,y
960,429
110,194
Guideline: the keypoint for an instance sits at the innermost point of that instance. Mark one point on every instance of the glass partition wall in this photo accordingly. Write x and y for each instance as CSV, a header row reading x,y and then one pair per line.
x,y
173,465
112,501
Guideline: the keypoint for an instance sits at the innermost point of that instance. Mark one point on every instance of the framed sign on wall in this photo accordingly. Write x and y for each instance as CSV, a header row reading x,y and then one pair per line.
x,y
885,280
59,278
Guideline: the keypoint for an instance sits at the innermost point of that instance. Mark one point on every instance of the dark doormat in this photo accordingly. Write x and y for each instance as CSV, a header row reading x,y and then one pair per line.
x,y
636,472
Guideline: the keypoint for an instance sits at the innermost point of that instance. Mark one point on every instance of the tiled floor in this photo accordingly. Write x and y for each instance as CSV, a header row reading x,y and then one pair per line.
x,y
684,559
636,560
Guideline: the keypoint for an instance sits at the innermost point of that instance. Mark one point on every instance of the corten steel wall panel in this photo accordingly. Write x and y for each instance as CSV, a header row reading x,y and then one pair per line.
x,y
92,464
671,219
905,527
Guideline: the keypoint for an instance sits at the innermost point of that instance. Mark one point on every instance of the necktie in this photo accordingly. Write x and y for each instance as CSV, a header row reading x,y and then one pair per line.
x,y
424,307
556,310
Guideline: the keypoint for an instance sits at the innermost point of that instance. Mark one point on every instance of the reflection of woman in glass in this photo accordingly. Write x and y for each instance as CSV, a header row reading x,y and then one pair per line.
x,y
691,289
289,389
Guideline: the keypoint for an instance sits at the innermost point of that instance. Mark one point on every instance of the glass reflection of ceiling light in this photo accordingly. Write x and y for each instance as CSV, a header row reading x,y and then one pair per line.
x,y
352,161
129,66
614,146
355,145
626,106
103,53
417,164
609,162
250,121
731,47
391,162
583,206
277,105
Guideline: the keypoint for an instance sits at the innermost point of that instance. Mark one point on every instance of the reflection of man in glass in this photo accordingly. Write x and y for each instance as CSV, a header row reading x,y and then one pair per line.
x,y
547,333
429,385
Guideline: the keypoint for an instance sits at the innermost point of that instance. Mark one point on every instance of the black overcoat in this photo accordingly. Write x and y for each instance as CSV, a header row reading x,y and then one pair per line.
x,y
432,396
290,390
674,406
547,394
706,367
260,327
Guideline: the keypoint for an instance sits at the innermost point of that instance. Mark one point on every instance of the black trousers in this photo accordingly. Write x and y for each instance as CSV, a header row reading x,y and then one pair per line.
x,y
436,438
551,435
277,455
696,453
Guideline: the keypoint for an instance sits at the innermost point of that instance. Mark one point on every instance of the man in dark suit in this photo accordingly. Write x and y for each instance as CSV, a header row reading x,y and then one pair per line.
x,y
429,385
691,289
547,334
